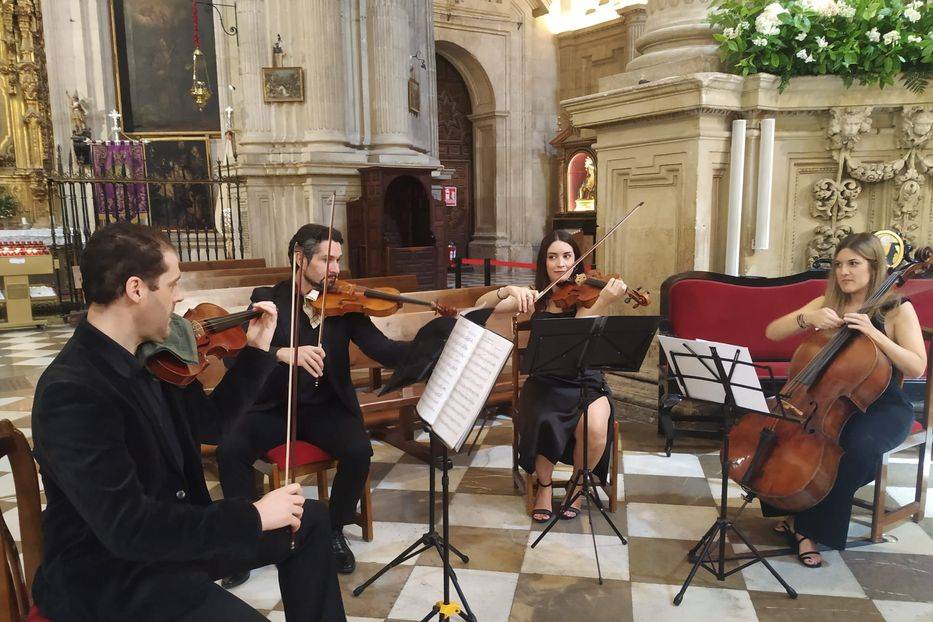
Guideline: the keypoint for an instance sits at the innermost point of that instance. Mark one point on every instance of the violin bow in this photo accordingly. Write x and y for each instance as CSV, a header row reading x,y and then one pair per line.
x,y
325,284
584,255
292,370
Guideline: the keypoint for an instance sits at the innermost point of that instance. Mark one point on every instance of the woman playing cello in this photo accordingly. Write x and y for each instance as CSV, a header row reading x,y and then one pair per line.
x,y
892,324
550,426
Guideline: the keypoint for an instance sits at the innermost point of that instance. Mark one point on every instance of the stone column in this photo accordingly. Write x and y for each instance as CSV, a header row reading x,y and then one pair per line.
x,y
633,19
677,40
388,28
321,32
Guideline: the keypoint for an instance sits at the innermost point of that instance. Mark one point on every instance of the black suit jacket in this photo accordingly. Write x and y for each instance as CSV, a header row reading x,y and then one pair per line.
x,y
338,332
126,524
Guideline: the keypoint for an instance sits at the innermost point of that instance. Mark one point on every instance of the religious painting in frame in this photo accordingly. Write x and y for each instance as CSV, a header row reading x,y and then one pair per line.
x,y
283,84
182,199
153,42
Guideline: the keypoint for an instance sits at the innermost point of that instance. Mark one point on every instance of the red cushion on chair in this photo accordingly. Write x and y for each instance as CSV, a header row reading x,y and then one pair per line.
x,y
916,427
35,616
302,453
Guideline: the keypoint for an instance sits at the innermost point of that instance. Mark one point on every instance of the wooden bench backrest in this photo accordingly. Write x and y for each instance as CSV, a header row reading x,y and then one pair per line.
x,y
220,264
15,583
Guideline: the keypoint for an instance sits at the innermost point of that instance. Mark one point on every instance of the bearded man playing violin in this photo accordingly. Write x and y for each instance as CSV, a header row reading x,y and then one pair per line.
x,y
129,529
329,414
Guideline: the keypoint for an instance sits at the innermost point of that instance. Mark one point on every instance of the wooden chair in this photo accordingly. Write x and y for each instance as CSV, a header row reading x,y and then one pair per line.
x,y
921,436
307,459
16,581
520,333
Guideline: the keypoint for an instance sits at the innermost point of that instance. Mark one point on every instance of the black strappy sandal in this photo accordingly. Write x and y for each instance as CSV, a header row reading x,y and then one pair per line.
x,y
571,512
805,556
547,512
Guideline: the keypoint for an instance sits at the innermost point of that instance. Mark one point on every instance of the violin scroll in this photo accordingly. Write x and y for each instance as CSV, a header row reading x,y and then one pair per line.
x,y
637,298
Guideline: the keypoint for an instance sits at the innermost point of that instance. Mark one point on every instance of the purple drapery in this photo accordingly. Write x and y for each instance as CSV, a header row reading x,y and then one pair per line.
x,y
123,161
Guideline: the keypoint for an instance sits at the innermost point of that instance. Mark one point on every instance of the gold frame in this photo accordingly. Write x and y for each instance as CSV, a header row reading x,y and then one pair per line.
x,y
301,85
207,153
115,65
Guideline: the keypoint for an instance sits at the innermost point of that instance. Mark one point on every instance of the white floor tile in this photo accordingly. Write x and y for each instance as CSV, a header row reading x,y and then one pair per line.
x,y
405,476
653,602
833,579
682,465
496,457
897,611
262,589
389,539
571,554
489,593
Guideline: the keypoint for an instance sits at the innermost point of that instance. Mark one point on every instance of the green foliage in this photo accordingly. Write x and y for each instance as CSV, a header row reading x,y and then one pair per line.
x,y
8,204
871,41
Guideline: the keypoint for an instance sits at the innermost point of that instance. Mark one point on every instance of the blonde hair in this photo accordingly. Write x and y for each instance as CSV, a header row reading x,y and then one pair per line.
x,y
868,246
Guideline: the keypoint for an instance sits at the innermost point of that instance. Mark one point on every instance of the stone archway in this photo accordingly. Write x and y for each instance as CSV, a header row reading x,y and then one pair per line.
x,y
487,125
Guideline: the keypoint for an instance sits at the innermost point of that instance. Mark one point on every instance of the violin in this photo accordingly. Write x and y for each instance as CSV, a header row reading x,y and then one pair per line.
x,y
343,297
216,332
791,461
584,290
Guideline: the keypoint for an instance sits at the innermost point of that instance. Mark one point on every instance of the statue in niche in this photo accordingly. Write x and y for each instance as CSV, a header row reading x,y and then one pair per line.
x,y
587,191
917,126
79,125
846,125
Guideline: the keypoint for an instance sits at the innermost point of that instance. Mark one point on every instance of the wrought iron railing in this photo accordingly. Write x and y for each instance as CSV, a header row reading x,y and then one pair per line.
x,y
203,217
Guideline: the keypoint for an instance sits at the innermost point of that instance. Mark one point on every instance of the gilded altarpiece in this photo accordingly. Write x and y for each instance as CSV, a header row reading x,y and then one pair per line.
x,y
25,119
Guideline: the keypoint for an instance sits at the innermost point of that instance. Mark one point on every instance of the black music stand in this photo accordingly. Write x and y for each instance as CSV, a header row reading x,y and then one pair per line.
x,y
567,347
700,554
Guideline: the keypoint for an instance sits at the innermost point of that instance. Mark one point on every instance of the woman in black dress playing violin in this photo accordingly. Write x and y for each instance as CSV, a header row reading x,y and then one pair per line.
x,y
892,324
549,424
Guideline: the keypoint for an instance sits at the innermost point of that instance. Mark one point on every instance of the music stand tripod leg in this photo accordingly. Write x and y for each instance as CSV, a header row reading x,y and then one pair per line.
x,y
430,539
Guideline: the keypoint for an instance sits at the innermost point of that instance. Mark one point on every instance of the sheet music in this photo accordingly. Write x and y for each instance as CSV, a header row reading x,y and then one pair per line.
x,y
703,383
462,381
450,365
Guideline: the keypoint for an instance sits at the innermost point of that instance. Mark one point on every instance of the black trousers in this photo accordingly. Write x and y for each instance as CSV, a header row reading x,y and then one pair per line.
x,y
865,437
335,430
307,576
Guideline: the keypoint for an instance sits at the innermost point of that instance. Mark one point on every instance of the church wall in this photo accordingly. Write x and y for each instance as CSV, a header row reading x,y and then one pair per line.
x,y
668,143
508,59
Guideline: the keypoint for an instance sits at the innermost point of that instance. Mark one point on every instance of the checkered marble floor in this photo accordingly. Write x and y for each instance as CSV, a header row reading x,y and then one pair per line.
x,y
667,504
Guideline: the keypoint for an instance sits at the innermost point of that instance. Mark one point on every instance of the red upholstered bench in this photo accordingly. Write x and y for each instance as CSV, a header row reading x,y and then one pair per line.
x,y
306,459
728,309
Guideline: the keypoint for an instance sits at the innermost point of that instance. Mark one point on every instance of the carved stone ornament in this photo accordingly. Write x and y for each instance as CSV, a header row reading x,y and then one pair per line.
x,y
878,171
916,126
846,126
835,201
907,203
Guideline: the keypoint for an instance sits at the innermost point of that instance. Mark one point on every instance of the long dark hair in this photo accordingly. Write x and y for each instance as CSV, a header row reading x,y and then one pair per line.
x,y
541,277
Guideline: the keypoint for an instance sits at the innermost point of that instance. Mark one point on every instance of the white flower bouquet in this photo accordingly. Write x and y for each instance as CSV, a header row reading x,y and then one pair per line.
x,y
871,41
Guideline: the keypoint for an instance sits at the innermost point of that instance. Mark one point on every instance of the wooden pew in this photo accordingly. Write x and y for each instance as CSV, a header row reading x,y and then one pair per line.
x,y
220,264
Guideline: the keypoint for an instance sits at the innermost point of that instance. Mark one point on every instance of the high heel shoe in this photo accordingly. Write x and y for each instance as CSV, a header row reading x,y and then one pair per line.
x,y
546,512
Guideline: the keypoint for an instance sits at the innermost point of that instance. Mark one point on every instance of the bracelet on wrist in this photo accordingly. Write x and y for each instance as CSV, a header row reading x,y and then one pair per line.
x,y
801,322
499,297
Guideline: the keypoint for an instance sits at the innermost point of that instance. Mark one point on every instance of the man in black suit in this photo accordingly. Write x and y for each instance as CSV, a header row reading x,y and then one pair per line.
x,y
129,530
329,415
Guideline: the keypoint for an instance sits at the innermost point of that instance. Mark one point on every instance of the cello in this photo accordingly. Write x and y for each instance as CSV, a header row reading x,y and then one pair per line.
x,y
791,461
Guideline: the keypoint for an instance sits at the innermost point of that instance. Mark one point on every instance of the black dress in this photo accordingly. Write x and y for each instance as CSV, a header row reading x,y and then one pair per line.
x,y
865,437
548,415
